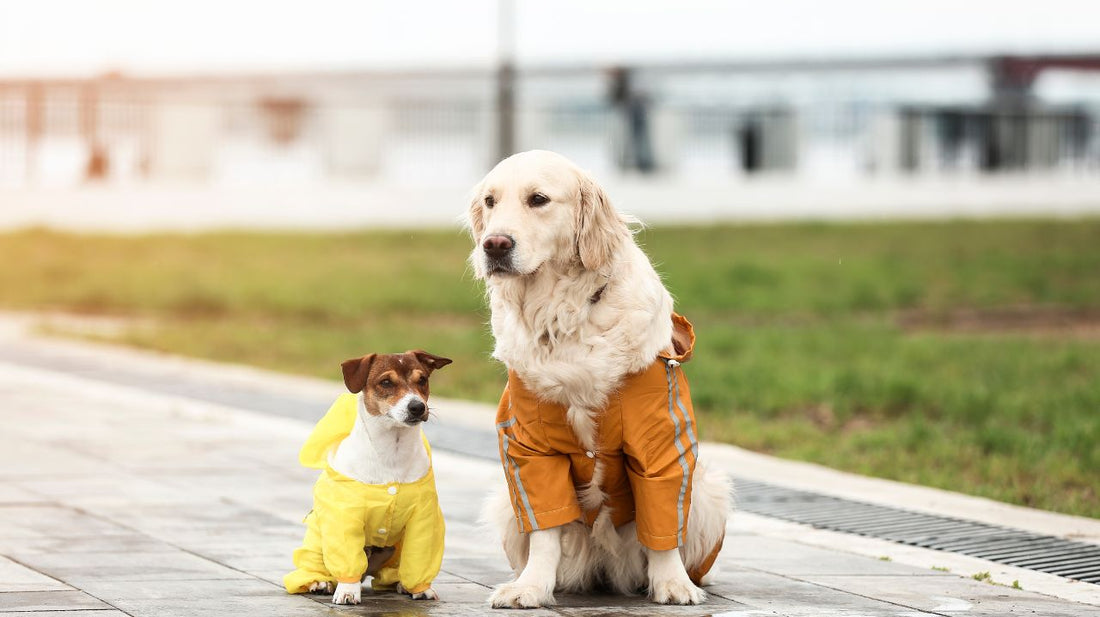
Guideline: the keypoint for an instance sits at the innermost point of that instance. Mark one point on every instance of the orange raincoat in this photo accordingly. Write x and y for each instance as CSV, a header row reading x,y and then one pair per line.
x,y
646,441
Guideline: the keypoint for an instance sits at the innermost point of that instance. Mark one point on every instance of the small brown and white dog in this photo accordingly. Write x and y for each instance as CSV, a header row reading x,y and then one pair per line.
x,y
576,309
375,509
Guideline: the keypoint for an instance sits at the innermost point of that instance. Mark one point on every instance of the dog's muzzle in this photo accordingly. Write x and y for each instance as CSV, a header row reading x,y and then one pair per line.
x,y
417,412
498,249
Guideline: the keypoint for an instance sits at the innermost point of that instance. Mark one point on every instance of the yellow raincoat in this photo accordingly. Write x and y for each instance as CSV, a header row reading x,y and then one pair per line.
x,y
349,516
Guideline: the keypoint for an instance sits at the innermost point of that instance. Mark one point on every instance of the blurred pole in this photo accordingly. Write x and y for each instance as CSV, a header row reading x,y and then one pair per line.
x,y
506,77
36,108
89,113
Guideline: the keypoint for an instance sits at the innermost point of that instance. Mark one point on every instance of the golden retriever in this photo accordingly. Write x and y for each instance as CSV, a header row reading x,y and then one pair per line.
x,y
576,309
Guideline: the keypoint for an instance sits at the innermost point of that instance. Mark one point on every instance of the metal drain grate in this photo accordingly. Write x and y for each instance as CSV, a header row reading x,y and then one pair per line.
x,y
1075,560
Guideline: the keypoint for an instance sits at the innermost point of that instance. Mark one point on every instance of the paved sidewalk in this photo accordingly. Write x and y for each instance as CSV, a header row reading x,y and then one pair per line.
x,y
122,498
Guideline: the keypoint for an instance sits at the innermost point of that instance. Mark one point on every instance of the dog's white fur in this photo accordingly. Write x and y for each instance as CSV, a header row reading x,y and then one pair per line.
x,y
574,351
381,449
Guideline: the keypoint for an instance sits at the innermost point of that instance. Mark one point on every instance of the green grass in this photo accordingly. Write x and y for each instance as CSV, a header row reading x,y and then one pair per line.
x,y
806,344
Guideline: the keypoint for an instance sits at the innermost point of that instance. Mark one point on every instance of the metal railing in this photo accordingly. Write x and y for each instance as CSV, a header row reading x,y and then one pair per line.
x,y
273,131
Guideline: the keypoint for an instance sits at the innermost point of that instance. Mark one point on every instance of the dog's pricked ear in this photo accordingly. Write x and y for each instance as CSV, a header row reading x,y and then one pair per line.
x,y
475,218
356,372
431,361
600,229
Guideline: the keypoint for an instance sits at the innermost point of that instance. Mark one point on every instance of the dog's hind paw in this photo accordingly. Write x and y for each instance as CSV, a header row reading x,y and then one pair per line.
x,y
321,587
518,595
427,594
347,593
676,591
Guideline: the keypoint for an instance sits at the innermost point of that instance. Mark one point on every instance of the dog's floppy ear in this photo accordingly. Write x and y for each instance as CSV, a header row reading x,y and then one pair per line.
x,y
475,218
356,371
432,361
600,228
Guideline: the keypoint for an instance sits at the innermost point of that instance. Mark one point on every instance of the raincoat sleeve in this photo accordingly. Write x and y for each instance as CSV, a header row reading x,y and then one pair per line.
x,y
343,538
422,547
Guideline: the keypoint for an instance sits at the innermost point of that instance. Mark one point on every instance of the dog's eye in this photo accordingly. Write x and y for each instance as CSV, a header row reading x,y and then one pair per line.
x,y
537,199
386,383
422,381
489,201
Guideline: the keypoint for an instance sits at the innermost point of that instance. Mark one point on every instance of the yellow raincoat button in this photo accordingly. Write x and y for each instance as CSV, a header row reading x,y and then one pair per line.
x,y
392,490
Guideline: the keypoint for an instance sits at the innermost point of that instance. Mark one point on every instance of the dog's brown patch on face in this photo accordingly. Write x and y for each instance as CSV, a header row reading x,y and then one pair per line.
x,y
385,379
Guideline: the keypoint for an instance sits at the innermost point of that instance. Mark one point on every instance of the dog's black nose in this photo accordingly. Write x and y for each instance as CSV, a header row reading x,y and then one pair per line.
x,y
416,408
497,246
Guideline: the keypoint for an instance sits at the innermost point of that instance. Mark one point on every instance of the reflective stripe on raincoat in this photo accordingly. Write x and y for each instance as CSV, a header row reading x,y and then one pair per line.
x,y
349,516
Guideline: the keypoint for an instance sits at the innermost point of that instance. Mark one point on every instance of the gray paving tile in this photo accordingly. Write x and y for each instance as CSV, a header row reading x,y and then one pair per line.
x,y
53,520
479,570
254,563
112,590
750,612
952,594
473,542
20,601
74,613
34,459
764,591
274,605
77,569
268,541
599,605
42,543
244,596
215,515
448,577
116,487
275,577
11,493
794,559
16,577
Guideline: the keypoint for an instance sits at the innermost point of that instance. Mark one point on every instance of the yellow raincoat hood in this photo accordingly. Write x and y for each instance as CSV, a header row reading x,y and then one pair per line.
x,y
329,432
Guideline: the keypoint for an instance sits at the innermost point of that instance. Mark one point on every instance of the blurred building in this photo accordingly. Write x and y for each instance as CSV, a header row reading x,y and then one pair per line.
x,y
924,116
685,124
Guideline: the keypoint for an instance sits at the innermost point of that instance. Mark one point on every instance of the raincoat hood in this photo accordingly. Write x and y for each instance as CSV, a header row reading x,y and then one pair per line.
x,y
683,340
329,432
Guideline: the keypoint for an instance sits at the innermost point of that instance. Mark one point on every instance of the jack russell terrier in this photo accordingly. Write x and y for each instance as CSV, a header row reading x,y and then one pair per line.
x,y
375,509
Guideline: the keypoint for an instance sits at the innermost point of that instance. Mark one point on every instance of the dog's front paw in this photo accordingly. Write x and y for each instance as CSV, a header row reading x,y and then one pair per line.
x,y
347,593
427,594
521,595
321,587
676,591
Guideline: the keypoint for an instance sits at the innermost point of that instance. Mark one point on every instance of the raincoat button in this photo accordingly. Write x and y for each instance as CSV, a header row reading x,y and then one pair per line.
x,y
382,531
392,490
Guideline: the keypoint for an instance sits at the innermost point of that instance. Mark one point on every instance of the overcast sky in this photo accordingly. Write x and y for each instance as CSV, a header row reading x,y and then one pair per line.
x,y
83,37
